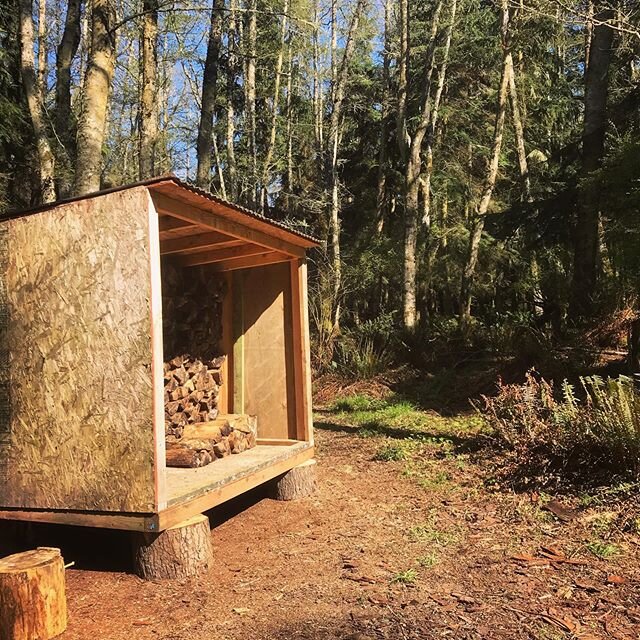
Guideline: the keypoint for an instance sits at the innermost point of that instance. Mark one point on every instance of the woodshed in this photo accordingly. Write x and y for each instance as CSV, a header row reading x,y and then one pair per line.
x,y
140,325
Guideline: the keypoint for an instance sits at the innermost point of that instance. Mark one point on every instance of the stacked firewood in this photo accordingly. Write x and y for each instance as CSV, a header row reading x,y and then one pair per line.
x,y
203,442
191,389
192,302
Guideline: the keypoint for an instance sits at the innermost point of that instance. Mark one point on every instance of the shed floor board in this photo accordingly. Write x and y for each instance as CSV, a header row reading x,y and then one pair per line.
x,y
184,485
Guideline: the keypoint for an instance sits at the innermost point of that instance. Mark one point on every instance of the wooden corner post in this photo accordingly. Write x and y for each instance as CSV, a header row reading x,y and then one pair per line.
x,y
301,349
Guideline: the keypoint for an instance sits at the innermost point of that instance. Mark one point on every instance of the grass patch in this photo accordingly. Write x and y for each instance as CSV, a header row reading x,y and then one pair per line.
x,y
393,452
429,560
405,577
429,532
603,550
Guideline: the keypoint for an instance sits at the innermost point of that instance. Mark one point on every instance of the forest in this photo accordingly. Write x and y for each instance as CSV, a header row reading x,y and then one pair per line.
x,y
470,167
471,170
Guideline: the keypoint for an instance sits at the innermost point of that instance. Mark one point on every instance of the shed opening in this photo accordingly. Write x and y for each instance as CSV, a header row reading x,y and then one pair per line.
x,y
229,369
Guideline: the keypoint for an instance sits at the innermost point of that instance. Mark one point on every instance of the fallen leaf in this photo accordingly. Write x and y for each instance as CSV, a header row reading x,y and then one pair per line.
x,y
614,579
241,611
563,513
462,598
587,586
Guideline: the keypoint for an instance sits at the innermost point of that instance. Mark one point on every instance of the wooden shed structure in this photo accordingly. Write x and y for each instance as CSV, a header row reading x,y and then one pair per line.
x,y
83,293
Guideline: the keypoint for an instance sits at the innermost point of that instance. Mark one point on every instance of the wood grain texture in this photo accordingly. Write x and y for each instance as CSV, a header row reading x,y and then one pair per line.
x,y
33,603
267,349
80,423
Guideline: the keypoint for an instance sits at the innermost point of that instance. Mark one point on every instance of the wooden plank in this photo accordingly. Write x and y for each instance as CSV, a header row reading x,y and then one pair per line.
x,y
224,254
168,223
78,433
125,522
238,344
260,260
268,374
157,357
301,350
225,399
292,457
214,222
198,242
276,442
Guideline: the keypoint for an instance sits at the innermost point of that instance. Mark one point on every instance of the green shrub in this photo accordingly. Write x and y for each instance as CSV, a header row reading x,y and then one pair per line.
x,y
600,426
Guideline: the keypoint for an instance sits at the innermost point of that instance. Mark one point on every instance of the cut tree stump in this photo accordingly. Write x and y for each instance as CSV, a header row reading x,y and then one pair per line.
x,y
181,551
300,482
33,603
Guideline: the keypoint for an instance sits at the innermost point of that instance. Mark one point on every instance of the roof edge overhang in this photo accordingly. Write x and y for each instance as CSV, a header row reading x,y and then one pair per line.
x,y
176,189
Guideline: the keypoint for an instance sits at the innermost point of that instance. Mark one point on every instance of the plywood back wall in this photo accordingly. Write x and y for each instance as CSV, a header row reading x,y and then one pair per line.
x,y
78,430
264,294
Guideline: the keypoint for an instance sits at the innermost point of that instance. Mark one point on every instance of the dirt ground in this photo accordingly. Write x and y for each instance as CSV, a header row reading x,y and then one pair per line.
x,y
386,549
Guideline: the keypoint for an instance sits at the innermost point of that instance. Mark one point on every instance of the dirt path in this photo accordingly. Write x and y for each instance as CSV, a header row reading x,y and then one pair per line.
x,y
393,550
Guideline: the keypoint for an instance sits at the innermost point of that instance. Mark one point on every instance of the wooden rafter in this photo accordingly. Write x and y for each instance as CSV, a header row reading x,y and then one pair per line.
x,y
219,254
167,223
199,242
194,215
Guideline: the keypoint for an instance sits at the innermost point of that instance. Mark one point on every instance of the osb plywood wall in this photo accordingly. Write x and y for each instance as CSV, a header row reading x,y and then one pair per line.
x,y
265,296
75,316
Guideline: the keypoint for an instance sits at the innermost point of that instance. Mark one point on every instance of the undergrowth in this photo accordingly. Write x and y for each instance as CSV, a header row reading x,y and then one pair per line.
x,y
594,428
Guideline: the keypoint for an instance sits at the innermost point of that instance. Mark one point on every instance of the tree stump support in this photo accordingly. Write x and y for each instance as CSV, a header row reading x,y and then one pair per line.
x,y
32,595
181,551
300,482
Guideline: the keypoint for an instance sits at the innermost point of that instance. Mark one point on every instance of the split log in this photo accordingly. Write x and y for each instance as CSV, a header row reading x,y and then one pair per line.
x,y
33,603
300,482
222,449
187,458
179,552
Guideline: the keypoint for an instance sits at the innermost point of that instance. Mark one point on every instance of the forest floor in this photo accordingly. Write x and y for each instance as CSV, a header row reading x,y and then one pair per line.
x,y
409,536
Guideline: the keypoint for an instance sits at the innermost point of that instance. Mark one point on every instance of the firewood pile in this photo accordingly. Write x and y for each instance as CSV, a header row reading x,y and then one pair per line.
x,y
191,389
203,442
195,433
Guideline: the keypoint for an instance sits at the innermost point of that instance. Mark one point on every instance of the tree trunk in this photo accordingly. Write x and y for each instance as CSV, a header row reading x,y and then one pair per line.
x,y
442,74
468,273
35,102
232,61
209,92
148,95
586,240
338,85
97,83
250,88
384,125
32,595
518,128
412,179
300,482
65,124
42,48
266,170
179,552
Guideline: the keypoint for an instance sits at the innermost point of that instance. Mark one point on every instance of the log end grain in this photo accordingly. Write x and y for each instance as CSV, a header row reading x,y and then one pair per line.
x,y
300,482
32,595
181,551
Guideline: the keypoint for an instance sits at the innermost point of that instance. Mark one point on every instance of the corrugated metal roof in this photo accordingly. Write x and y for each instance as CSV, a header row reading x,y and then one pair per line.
x,y
169,178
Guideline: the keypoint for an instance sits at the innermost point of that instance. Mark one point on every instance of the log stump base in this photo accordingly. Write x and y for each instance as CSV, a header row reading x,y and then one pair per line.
x,y
300,482
32,595
181,551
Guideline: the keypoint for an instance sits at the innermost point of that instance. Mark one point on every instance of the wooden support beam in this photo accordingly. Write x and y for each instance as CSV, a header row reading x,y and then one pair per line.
x,y
168,223
198,242
260,260
235,487
210,220
301,350
225,253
